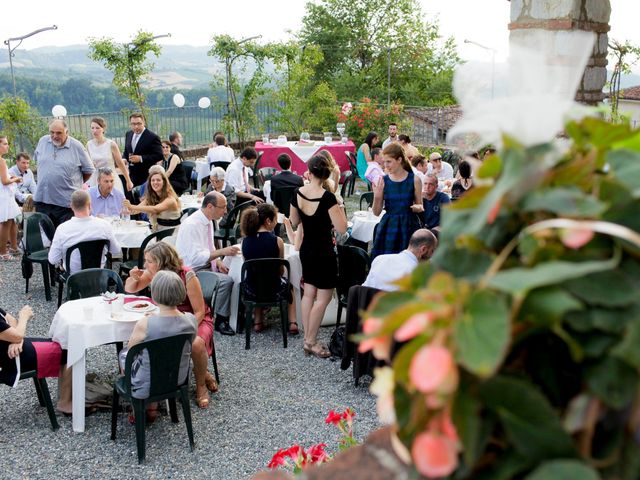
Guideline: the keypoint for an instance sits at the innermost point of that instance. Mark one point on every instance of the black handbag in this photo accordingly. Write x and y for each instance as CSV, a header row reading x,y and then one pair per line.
x,y
27,268
336,344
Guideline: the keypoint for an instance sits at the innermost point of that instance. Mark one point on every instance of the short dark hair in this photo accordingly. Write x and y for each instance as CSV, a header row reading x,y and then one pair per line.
x,y
393,123
421,237
375,151
173,136
137,115
219,139
210,199
418,160
284,160
249,153
21,155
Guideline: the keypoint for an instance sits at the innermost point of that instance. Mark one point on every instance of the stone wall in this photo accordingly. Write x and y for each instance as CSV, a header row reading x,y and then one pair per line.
x,y
559,16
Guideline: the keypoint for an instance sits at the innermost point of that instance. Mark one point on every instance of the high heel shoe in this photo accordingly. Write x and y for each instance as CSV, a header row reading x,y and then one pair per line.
x,y
202,397
316,349
210,383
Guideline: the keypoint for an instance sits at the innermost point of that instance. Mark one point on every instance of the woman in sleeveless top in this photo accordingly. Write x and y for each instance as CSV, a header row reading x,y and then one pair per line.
x,y
173,166
259,241
9,209
363,157
162,256
105,153
317,210
159,202
401,193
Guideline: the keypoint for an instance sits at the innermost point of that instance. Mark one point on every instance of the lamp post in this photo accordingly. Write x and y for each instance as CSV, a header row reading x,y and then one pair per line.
x,y
493,61
8,41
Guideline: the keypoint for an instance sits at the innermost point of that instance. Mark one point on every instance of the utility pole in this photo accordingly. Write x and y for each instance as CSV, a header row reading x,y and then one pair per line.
x,y
389,77
493,62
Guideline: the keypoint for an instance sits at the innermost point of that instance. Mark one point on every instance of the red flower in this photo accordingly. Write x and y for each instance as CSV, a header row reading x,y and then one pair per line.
x,y
294,452
349,414
333,418
278,459
317,453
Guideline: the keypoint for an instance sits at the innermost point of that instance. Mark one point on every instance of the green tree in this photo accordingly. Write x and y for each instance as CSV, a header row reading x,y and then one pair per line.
x,y
22,125
624,54
128,63
303,104
363,39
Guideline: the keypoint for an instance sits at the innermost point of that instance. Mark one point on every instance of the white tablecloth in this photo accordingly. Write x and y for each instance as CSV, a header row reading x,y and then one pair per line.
x,y
76,334
202,170
363,225
130,234
190,201
235,269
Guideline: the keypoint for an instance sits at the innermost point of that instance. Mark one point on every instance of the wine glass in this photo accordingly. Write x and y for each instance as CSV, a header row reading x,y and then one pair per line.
x,y
305,137
340,127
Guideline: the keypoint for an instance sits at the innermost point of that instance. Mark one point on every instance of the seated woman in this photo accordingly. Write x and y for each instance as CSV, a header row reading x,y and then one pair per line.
x,y
364,155
168,292
159,202
41,355
162,256
259,241
172,164
464,183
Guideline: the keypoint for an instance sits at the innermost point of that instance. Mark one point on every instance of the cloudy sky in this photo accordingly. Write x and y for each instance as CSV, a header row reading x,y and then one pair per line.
x,y
192,22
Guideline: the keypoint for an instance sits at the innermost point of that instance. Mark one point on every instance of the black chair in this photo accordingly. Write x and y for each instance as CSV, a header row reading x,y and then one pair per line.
x,y
346,179
126,267
256,169
209,283
266,173
92,282
187,212
91,253
263,293
282,198
366,198
221,164
164,357
228,233
353,265
44,398
36,252
135,194
353,168
188,166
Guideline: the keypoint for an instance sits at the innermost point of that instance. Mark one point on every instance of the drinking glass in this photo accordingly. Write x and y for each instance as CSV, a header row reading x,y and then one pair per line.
x,y
340,127
305,137
265,138
328,137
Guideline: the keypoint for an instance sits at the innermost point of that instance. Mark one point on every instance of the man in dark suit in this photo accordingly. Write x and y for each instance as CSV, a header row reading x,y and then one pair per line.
x,y
176,140
285,178
142,148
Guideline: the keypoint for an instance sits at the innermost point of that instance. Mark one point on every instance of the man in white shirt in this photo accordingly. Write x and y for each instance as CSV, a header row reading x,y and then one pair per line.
x,y
238,174
386,269
195,244
28,185
82,227
220,152
440,168
393,135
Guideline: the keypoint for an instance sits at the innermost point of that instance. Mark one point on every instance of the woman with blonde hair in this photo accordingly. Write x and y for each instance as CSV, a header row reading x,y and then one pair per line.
x,y
333,182
9,209
104,152
159,202
162,256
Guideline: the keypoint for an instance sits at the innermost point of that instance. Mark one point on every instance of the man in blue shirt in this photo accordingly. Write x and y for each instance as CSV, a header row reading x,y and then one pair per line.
x,y
105,200
432,201
28,185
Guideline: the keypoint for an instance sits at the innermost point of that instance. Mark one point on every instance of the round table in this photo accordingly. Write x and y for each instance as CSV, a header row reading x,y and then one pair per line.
x,y
130,233
364,223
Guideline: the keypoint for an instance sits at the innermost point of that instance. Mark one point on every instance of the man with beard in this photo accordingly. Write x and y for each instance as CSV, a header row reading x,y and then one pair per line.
x,y
63,166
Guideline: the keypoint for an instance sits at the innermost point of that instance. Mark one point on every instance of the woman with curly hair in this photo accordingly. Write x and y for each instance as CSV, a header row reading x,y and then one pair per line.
x,y
159,202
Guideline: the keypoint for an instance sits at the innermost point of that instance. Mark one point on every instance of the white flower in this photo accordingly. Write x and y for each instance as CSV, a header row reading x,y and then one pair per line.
x,y
382,387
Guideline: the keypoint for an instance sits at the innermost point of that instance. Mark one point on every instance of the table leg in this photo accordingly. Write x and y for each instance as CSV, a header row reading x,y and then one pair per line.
x,y
78,394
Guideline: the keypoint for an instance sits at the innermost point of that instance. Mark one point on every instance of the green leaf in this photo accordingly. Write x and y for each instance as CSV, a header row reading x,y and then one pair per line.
x,y
530,422
605,320
521,280
507,466
625,166
570,202
465,263
564,469
548,305
491,167
611,288
482,334
629,348
468,422
612,381
389,301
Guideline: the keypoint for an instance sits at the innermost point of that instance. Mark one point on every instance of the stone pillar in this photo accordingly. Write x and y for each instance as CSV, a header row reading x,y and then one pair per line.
x,y
558,16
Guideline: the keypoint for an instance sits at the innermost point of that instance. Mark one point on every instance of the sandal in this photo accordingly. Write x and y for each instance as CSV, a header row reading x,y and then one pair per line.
x,y
202,397
210,383
316,349
293,328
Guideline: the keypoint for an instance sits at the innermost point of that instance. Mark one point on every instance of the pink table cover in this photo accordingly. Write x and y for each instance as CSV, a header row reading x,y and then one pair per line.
x,y
271,152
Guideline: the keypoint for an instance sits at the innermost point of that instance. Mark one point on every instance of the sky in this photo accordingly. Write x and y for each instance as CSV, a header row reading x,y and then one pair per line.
x,y
194,22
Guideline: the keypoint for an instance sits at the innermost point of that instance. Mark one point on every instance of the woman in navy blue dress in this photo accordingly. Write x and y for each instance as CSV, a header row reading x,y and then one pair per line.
x,y
401,193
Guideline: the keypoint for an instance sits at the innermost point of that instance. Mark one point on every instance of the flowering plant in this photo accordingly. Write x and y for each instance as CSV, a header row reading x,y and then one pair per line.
x,y
297,457
367,117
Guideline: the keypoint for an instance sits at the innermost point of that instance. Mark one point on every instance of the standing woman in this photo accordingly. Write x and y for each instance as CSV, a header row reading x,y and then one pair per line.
x,y
172,164
333,182
364,154
105,153
9,209
318,210
159,202
400,192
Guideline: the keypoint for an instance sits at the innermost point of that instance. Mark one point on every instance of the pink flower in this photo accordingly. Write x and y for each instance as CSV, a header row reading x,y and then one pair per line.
x,y
576,238
434,455
431,368
493,212
381,346
413,326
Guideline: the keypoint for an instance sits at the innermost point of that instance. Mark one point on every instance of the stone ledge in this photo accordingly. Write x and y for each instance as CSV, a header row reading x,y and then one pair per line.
x,y
560,24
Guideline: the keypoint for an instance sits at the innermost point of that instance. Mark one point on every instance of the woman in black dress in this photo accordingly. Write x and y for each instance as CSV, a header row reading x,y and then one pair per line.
x,y
318,210
172,164
259,241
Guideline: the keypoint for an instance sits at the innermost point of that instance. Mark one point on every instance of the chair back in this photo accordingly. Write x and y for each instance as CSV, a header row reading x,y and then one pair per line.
x,y
209,283
165,356
260,279
187,212
188,167
157,236
282,199
92,282
353,162
91,254
135,194
366,200
353,264
221,164
233,217
32,234
345,180
266,173
256,169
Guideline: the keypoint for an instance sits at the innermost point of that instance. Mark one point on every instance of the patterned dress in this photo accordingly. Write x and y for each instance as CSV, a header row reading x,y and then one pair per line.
x,y
399,222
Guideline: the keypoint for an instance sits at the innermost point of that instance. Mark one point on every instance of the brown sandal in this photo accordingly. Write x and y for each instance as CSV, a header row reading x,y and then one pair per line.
x,y
316,349
210,383
202,398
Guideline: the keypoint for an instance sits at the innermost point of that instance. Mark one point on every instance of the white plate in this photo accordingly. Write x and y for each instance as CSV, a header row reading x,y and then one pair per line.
x,y
131,306
121,317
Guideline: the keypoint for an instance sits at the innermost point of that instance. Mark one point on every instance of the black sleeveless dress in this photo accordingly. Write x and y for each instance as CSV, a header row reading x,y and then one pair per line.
x,y
317,252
